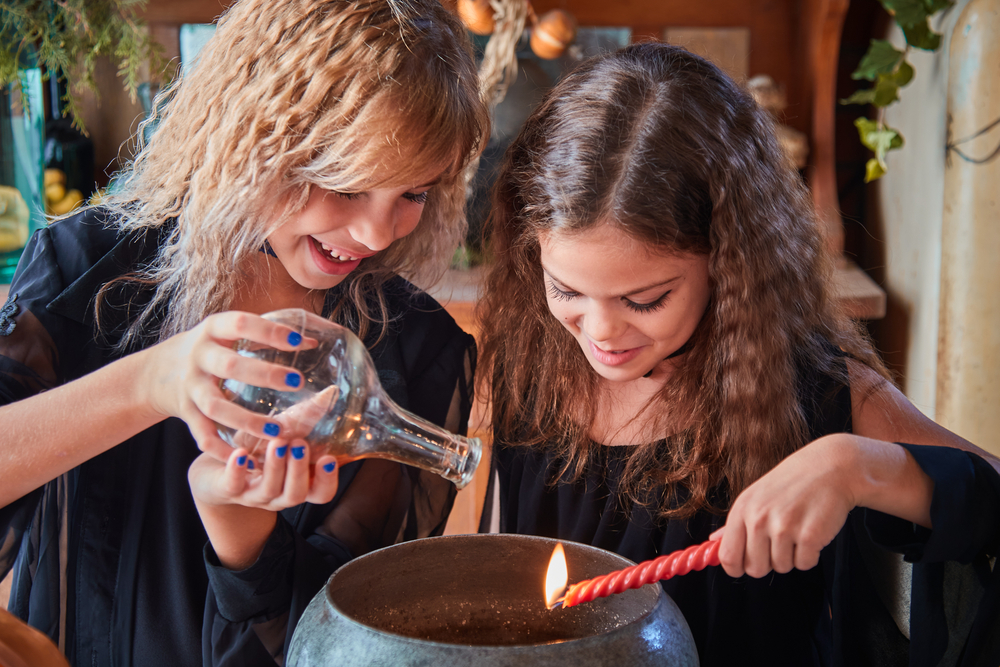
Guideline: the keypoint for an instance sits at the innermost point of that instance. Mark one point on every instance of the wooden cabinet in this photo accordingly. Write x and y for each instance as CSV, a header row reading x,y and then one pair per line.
x,y
795,42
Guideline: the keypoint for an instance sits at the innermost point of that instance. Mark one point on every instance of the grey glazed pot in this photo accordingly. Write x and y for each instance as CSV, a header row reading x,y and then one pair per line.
x,y
477,600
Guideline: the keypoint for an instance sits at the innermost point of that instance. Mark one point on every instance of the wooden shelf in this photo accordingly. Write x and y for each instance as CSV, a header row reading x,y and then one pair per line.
x,y
859,295
176,12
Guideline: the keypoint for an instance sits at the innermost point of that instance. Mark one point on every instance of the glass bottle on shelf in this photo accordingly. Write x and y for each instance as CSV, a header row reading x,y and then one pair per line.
x,y
22,132
68,155
341,408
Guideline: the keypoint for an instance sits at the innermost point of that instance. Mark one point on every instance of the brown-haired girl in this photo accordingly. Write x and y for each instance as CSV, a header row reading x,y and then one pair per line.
x,y
312,157
660,345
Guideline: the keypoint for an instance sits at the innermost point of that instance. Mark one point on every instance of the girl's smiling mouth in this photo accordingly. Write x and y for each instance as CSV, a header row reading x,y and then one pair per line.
x,y
333,261
613,357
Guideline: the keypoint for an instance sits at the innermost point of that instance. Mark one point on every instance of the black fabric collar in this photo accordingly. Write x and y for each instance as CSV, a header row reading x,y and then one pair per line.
x,y
131,251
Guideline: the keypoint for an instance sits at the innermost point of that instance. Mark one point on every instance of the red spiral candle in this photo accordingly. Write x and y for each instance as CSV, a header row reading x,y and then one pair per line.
x,y
696,557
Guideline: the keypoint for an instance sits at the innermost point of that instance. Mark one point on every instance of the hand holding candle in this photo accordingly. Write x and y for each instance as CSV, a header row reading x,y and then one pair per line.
x,y
696,557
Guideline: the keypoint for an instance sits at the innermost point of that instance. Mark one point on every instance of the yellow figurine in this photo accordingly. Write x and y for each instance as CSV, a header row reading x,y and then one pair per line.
x,y
14,217
59,200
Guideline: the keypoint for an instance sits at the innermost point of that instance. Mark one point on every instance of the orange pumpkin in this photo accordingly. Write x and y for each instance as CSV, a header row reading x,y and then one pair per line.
x,y
553,33
477,15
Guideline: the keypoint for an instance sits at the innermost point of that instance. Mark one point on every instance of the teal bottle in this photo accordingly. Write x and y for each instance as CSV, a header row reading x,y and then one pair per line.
x,y
22,134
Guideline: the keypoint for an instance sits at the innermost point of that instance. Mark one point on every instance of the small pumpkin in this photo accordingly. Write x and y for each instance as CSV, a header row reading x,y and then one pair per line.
x,y
477,15
553,33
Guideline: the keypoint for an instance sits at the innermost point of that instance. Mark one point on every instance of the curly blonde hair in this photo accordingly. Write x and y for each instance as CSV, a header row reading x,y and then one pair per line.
x,y
663,146
294,94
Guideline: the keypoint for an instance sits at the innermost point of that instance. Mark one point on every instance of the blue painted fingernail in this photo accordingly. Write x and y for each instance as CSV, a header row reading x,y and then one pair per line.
x,y
330,466
293,379
272,429
241,461
280,451
294,338
250,464
298,452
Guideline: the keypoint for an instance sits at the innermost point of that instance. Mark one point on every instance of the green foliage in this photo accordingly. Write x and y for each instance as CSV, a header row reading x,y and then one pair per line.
x,y
886,66
881,58
913,16
66,37
921,37
880,139
886,88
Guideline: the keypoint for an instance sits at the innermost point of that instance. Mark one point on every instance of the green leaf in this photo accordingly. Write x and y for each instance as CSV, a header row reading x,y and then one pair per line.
x,y
873,170
922,37
886,88
865,126
881,58
903,74
880,140
886,92
906,12
866,96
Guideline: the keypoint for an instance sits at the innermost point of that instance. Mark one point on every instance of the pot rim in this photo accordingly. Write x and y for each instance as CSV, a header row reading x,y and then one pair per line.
x,y
660,601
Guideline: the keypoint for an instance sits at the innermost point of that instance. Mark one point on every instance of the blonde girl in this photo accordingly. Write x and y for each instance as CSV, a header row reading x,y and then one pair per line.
x,y
311,158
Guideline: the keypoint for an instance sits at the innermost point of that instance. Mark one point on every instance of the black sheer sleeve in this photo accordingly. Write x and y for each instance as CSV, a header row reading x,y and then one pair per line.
x,y
955,588
28,365
965,510
48,338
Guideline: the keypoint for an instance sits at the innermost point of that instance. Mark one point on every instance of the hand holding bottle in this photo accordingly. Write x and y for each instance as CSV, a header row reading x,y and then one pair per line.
x,y
181,377
239,502
288,478
341,409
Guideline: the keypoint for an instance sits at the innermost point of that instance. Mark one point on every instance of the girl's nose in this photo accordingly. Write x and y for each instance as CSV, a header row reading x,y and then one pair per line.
x,y
602,324
376,228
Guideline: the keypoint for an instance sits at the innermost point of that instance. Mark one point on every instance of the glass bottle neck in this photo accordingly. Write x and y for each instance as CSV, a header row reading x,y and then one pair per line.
x,y
392,432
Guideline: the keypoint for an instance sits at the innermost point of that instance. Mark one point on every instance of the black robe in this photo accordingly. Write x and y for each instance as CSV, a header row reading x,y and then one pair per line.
x,y
108,558
834,614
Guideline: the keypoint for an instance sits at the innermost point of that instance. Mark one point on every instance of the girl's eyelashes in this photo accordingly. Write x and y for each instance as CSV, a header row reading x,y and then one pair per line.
x,y
647,307
566,295
559,294
417,197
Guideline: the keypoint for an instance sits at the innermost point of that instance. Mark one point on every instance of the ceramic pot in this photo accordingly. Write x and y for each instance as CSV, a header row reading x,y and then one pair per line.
x,y
478,600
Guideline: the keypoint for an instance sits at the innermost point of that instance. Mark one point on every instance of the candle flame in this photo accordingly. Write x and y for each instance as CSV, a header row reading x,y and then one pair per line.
x,y
556,577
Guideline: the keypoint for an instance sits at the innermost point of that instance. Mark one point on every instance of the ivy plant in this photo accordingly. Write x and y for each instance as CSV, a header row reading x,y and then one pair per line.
x,y
66,37
886,67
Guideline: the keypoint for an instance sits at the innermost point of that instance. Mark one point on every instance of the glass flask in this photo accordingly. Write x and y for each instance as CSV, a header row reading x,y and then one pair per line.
x,y
341,408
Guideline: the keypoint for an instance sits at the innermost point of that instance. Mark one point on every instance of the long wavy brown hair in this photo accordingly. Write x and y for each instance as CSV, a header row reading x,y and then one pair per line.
x,y
666,148
289,95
